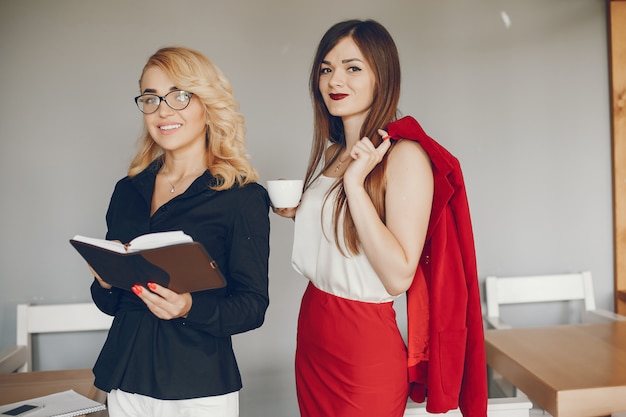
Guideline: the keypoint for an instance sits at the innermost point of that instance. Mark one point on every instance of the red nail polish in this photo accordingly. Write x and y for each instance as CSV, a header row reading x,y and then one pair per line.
x,y
152,286
136,289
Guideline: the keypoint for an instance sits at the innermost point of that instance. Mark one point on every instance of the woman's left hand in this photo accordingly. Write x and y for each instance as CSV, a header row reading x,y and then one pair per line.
x,y
365,157
289,213
162,302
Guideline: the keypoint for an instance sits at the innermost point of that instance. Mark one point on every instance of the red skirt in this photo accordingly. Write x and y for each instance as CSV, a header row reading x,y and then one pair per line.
x,y
351,360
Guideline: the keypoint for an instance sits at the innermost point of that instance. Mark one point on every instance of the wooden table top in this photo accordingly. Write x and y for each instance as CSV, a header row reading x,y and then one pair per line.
x,y
570,370
21,386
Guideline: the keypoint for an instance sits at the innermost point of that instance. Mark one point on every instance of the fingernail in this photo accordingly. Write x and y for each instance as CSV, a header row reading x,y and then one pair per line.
x,y
152,286
137,289
386,137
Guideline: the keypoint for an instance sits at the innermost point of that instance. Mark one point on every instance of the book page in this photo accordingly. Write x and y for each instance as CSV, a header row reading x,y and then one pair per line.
x,y
157,240
102,243
147,241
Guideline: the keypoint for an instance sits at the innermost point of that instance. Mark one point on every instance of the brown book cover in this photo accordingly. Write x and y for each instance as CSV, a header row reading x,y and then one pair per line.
x,y
183,267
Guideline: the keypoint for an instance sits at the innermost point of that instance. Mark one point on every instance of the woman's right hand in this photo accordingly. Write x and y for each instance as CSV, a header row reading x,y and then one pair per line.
x,y
102,283
289,212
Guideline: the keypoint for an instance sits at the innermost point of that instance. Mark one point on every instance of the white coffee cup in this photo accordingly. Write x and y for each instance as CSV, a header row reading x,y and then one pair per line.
x,y
285,193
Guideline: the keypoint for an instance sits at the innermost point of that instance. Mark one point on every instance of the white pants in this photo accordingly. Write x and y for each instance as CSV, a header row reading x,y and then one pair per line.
x,y
123,404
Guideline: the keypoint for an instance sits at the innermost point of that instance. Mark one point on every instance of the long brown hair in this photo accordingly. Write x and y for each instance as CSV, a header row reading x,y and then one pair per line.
x,y
225,154
380,52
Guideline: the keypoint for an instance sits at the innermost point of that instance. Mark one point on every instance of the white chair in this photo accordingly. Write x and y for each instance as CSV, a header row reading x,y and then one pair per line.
x,y
543,288
55,318
571,287
12,359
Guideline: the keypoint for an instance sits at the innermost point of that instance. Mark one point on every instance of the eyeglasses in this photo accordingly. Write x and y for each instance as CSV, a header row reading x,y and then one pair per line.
x,y
177,100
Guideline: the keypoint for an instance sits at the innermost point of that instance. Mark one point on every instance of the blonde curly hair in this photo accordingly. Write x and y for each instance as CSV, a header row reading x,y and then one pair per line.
x,y
226,156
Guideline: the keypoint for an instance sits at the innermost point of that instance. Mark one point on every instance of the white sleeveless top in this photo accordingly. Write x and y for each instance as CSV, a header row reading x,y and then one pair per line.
x,y
316,255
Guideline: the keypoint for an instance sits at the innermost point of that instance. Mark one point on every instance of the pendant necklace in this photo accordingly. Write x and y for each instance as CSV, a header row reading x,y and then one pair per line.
x,y
341,161
174,185
173,189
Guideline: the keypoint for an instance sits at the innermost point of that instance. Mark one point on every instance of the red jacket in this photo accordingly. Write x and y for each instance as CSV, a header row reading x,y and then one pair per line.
x,y
447,366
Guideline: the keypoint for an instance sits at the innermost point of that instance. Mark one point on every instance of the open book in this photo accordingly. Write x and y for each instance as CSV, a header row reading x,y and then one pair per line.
x,y
143,242
62,404
170,259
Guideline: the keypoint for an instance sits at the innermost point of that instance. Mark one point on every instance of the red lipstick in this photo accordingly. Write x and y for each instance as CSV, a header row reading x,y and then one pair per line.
x,y
338,96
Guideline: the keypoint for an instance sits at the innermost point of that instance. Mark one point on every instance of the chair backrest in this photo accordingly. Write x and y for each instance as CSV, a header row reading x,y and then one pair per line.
x,y
56,318
538,288
12,359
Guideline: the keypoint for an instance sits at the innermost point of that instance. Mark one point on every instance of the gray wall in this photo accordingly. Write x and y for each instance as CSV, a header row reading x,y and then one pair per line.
x,y
524,107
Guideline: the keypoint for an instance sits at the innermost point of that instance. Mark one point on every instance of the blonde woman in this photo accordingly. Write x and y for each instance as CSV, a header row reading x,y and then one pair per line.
x,y
170,354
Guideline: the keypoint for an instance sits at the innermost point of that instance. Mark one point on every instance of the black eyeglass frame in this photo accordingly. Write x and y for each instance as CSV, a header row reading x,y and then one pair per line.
x,y
162,99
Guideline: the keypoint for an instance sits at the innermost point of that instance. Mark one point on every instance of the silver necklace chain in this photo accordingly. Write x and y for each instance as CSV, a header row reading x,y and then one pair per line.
x,y
341,162
173,185
173,189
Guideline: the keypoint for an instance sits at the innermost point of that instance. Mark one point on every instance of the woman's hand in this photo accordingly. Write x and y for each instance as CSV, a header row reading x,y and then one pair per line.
x,y
289,212
162,302
102,283
365,157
